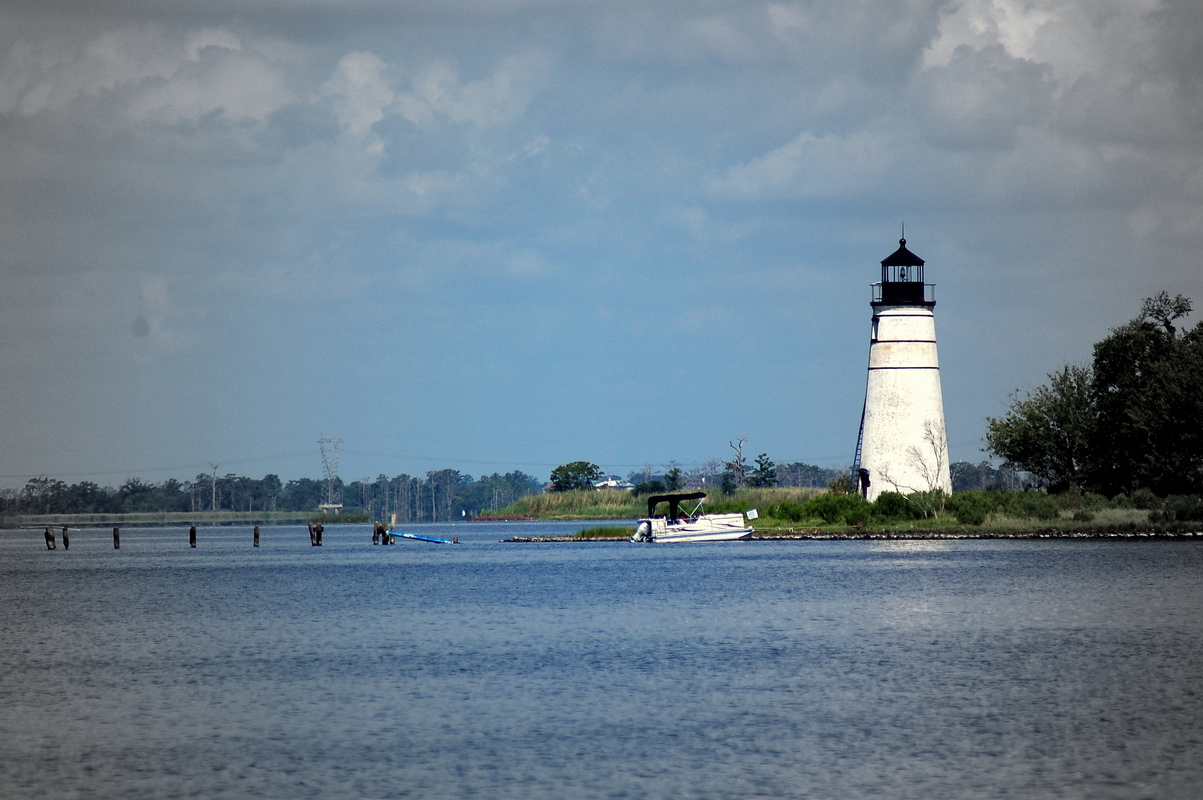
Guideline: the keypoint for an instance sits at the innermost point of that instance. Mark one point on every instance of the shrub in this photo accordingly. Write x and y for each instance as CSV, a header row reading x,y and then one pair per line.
x,y
892,506
839,487
850,509
972,508
1069,500
859,514
1039,506
1179,508
1083,515
928,504
1034,505
1144,499
787,510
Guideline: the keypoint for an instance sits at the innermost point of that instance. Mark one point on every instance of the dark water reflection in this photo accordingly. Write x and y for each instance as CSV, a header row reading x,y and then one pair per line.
x,y
762,669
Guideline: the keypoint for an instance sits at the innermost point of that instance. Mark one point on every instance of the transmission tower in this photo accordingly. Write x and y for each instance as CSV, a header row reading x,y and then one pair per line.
x,y
329,447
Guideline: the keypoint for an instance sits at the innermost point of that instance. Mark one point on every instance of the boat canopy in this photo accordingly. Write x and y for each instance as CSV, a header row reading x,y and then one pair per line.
x,y
673,500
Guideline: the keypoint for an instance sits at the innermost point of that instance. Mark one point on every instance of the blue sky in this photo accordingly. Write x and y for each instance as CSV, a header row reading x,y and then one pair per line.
x,y
512,234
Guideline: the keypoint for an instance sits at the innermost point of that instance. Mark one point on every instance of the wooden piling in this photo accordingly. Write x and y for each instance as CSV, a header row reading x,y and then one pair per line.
x,y
49,538
192,536
66,542
318,532
312,535
256,544
116,538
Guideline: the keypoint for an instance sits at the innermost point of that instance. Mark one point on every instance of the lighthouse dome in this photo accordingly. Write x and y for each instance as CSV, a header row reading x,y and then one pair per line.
x,y
902,257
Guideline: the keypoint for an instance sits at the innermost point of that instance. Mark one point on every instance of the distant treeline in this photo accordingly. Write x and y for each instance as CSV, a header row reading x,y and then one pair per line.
x,y
965,476
441,495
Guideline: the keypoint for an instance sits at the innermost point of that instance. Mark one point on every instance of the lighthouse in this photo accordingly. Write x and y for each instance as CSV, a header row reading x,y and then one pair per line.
x,y
903,446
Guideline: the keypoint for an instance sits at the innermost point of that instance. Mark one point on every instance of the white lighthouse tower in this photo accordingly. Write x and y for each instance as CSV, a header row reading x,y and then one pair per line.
x,y
903,446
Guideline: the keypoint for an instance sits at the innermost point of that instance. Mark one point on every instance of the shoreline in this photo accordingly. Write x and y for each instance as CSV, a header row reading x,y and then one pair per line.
x,y
884,535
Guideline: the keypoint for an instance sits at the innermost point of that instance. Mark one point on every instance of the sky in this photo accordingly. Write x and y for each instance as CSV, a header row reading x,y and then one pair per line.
x,y
509,234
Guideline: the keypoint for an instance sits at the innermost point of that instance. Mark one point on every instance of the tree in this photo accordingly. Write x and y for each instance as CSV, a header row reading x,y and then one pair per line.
x,y
575,475
735,471
672,479
1047,432
764,474
1130,421
654,486
799,474
1148,393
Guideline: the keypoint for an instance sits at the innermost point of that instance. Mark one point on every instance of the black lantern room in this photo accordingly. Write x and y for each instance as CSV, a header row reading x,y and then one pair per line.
x,y
902,280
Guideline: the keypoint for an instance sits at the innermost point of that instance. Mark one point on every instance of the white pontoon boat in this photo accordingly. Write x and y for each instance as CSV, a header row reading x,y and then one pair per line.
x,y
684,526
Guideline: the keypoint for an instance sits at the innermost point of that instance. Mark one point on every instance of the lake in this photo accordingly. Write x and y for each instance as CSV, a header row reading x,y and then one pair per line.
x,y
836,669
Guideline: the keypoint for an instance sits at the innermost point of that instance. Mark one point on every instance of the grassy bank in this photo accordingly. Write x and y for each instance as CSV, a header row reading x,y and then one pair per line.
x,y
793,512
612,504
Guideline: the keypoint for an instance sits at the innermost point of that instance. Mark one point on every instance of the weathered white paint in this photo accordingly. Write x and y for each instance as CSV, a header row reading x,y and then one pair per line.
x,y
904,444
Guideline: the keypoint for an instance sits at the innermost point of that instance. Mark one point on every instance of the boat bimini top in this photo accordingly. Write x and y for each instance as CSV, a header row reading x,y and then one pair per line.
x,y
674,503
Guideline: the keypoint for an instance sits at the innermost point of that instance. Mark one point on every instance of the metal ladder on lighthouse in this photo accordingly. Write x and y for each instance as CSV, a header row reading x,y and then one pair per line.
x,y
854,478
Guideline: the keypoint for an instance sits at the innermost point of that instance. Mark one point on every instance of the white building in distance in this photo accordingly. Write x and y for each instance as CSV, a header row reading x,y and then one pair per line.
x,y
903,446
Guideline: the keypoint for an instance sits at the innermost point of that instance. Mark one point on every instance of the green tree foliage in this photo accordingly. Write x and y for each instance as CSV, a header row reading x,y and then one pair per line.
x,y
799,474
764,474
1047,432
1128,422
984,475
575,475
1148,394
673,479
443,495
654,486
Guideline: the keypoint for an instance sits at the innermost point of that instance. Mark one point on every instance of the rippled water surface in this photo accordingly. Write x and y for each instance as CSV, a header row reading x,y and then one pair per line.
x,y
976,669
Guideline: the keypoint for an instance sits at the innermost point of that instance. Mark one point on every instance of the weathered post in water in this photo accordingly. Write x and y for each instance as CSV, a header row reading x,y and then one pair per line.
x,y
66,542
317,530
376,533
49,538
116,538
312,535
192,536
256,544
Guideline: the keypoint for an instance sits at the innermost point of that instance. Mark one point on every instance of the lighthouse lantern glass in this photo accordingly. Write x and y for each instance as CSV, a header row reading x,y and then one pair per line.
x,y
912,273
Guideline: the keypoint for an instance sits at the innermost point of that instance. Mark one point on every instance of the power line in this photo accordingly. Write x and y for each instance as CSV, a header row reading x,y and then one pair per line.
x,y
145,470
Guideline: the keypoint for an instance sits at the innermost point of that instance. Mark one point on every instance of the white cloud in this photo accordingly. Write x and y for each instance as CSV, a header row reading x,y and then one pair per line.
x,y
144,73
438,93
982,97
197,41
810,166
239,87
359,92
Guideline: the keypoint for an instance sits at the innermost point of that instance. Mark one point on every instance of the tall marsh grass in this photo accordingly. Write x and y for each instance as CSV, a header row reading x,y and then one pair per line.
x,y
611,504
577,504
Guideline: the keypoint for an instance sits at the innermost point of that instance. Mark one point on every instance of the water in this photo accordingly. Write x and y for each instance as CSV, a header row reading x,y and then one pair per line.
x,y
977,669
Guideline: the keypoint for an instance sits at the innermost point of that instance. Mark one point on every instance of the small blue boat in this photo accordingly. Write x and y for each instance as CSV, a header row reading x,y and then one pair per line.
x,y
424,538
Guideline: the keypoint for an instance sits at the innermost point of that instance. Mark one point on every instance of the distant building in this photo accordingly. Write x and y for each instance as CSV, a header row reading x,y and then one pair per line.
x,y
613,482
903,446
